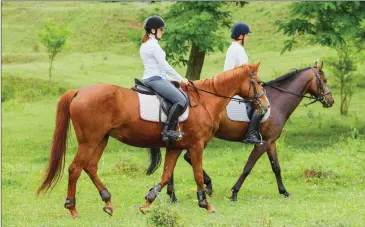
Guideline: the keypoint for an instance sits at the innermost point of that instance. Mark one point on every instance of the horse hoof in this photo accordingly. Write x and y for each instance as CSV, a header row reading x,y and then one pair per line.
x,y
286,195
143,210
108,210
174,200
233,199
210,210
77,216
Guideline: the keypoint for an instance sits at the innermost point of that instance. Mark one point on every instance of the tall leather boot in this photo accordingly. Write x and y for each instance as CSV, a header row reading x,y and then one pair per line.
x,y
252,135
168,132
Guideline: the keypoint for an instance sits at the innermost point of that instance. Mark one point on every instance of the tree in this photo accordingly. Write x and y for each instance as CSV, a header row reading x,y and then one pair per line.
x,y
343,67
53,36
338,25
195,26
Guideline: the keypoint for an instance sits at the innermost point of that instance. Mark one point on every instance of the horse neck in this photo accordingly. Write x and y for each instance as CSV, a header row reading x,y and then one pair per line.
x,y
286,103
224,84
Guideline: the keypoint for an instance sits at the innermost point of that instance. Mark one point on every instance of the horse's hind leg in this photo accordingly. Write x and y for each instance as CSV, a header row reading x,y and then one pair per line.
x,y
92,170
274,161
74,172
170,189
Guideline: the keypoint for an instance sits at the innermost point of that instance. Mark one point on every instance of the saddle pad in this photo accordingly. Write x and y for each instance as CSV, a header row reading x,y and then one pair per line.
x,y
237,111
149,109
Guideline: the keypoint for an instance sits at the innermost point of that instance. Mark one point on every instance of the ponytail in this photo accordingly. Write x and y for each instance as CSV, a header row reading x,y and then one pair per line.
x,y
145,38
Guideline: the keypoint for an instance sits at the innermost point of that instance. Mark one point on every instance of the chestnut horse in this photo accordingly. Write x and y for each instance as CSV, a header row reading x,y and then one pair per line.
x,y
284,94
100,111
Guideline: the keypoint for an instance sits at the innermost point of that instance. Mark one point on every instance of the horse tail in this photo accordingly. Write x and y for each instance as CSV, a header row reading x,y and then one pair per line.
x,y
155,160
56,163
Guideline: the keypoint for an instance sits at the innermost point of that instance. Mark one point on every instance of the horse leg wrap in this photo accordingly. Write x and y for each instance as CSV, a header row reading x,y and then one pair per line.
x,y
70,203
202,199
151,196
105,195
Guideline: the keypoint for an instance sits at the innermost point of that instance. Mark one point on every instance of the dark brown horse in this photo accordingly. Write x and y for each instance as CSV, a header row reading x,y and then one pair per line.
x,y
284,93
100,111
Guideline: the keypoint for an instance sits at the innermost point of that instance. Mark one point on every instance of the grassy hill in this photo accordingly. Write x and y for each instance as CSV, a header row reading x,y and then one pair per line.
x,y
316,140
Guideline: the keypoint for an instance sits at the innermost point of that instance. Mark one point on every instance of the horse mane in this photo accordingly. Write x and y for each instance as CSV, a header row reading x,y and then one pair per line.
x,y
287,77
231,74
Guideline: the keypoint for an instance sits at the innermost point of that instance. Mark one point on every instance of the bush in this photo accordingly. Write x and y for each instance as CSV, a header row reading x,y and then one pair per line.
x,y
164,215
7,92
29,89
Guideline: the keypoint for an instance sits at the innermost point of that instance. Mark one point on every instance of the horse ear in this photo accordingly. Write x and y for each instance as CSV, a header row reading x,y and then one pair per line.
x,y
315,64
257,65
319,68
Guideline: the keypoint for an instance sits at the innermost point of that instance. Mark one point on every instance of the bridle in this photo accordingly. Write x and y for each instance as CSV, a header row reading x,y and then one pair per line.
x,y
315,99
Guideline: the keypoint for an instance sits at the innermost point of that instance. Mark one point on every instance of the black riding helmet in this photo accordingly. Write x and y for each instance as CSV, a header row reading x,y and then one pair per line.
x,y
239,29
153,22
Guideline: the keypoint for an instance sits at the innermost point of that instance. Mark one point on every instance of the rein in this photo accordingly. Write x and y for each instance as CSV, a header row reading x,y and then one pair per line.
x,y
312,97
239,100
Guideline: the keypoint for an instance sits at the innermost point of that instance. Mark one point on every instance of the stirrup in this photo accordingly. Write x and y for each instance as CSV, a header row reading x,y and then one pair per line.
x,y
250,141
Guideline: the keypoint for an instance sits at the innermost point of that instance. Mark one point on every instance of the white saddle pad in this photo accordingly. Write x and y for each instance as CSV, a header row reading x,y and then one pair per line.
x,y
149,109
237,111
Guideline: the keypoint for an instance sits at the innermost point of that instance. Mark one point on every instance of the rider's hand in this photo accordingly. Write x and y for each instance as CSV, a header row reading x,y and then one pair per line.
x,y
185,81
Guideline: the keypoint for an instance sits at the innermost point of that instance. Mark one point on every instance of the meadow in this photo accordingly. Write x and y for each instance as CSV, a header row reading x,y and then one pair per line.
x,y
321,152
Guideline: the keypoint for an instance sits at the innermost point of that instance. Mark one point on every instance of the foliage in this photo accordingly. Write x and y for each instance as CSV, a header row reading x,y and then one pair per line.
x,y
343,67
327,23
338,25
53,36
164,215
195,26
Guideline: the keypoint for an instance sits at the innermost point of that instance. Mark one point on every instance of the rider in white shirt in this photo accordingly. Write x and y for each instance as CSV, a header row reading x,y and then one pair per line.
x,y
156,69
237,56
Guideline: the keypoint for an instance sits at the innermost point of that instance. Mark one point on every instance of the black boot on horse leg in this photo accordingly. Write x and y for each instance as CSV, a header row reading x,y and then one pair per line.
x,y
106,197
253,136
170,189
168,132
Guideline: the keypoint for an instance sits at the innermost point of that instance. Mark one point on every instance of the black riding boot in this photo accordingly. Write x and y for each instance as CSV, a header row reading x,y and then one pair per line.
x,y
253,136
168,132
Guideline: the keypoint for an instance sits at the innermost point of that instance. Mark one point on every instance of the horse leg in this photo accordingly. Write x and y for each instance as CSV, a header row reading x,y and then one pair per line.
x,y
274,161
169,165
74,172
170,189
196,156
256,153
92,170
207,180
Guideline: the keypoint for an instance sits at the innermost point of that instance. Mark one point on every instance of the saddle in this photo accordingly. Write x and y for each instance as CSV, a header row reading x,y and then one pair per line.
x,y
165,105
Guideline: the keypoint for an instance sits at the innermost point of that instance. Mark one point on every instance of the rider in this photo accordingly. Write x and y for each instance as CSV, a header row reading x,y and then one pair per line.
x,y
155,69
237,56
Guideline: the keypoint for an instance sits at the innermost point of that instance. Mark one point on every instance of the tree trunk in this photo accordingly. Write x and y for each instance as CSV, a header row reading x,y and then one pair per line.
x,y
342,92
50,67
196,61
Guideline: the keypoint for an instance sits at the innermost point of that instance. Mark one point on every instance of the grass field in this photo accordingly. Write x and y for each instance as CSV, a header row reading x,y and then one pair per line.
x,y
320,152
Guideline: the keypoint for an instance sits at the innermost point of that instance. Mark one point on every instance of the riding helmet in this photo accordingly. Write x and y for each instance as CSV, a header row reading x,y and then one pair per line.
x,y
239,29
153,22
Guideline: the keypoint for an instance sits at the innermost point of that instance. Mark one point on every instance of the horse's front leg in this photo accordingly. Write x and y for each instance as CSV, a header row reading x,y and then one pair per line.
x,y
196,154
256,153
274,161
207,179
170,162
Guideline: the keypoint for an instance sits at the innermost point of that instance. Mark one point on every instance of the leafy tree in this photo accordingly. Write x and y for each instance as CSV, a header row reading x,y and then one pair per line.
x,y
53,36
338,25
195,26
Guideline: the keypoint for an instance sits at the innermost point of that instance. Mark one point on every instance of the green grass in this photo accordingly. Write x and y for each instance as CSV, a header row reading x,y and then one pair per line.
x,y
320,152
